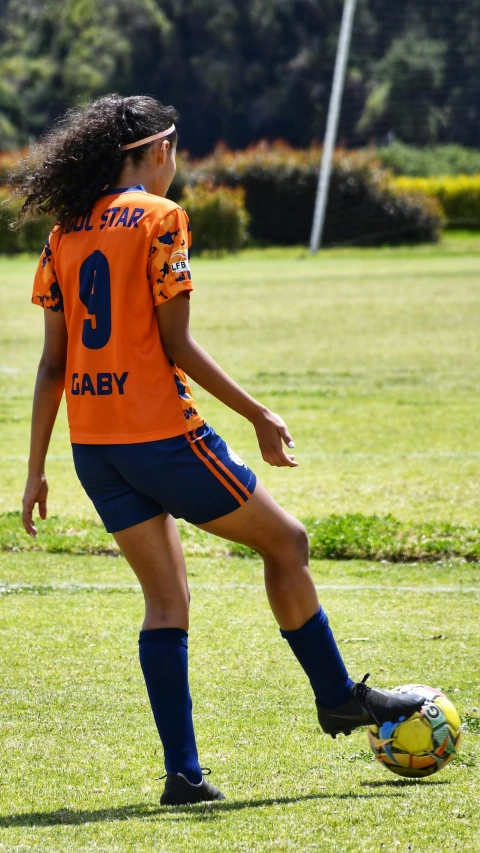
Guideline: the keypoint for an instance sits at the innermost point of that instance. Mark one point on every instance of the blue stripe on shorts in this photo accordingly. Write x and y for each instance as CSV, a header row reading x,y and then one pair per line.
x,y
194,476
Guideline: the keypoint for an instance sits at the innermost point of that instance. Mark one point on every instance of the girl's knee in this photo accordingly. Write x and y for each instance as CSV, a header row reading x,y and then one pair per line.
x,y
302,541
291,547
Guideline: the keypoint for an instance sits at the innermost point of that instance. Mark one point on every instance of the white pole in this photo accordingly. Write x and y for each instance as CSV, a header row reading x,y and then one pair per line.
x,y
332,123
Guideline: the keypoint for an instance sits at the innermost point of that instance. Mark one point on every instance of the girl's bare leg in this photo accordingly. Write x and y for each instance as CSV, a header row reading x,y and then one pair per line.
x,y
283,543
154,551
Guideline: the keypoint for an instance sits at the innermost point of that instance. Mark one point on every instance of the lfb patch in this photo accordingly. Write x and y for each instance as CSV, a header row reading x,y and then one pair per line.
x,y
234,457
179,261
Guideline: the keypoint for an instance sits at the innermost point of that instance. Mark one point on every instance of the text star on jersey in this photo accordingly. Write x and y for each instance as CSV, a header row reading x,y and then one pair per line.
x,y
116,363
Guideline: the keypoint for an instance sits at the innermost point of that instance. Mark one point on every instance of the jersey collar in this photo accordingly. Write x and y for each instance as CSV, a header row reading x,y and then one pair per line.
x,y
138,188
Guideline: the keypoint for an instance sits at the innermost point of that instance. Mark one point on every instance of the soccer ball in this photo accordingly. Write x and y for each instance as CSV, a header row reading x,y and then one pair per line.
x,y
423,744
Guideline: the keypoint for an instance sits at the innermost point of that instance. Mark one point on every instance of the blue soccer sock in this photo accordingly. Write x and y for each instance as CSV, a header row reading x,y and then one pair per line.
x,y
315,648
164,662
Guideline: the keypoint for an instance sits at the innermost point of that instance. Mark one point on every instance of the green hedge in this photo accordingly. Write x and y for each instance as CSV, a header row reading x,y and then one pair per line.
x,y
218,217
335,537
280,185
459,196
431,161
9,159
28,238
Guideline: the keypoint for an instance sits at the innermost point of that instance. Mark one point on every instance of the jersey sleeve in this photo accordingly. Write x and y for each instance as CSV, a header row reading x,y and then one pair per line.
x,y
46,289
170,257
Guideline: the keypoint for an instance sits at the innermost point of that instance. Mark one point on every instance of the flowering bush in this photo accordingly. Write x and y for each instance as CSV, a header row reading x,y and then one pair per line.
x,y
8,159
29,238
217,215
458,195
271,189
280,186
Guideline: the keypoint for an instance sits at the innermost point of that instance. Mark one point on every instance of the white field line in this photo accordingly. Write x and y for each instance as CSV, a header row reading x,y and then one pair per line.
x,y
6,588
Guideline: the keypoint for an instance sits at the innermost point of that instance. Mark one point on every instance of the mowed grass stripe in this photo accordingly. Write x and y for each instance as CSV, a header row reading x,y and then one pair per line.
x,y
45,589
372,357
335,537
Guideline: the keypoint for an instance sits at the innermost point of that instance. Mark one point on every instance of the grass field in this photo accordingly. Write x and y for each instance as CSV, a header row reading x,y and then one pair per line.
x,y
373,359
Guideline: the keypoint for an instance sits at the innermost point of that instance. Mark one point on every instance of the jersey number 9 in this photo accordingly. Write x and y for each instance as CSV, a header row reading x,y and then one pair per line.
x,y
95,295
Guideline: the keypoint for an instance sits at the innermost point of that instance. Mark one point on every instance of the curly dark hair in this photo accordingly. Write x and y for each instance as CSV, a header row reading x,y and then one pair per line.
x,y
81,154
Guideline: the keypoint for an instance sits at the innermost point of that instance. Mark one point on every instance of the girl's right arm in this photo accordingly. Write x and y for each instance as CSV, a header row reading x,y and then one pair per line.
x,y
46,400
173,323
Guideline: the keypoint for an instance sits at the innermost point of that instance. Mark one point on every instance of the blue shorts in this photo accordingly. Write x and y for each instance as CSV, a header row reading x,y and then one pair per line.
x,y
194,476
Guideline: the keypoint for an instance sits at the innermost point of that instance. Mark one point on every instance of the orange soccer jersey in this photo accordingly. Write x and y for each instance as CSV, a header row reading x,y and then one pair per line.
x,y
107,271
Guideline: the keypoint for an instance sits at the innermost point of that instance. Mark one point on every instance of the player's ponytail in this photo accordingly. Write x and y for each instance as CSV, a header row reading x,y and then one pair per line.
x,y
82,154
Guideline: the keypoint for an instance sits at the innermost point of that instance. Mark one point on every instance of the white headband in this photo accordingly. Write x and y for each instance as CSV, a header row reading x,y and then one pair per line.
x,y
149,138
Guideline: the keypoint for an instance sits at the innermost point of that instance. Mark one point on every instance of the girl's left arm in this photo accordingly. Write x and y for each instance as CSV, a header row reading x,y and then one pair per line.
x,y
178,344
49,388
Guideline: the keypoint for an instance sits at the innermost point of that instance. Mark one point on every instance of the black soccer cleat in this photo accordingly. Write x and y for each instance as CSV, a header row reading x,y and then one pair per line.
x,y
367,706
180,792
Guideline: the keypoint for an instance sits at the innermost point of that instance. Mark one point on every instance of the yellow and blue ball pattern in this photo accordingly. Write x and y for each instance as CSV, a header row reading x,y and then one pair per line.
x,y
423,744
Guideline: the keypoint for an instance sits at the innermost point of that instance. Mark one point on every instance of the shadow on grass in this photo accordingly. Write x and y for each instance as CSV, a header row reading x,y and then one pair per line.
x,y
201,811
404,783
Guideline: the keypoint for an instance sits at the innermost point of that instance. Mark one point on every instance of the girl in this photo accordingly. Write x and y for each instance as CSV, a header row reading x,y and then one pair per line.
x,y
114,280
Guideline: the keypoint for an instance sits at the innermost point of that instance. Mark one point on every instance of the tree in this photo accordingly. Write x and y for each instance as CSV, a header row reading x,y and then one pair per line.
x,y
241,70
405,82
54,54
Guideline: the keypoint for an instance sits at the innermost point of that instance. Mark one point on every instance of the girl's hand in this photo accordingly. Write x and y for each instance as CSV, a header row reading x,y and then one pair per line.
x,y
271,431
36,491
